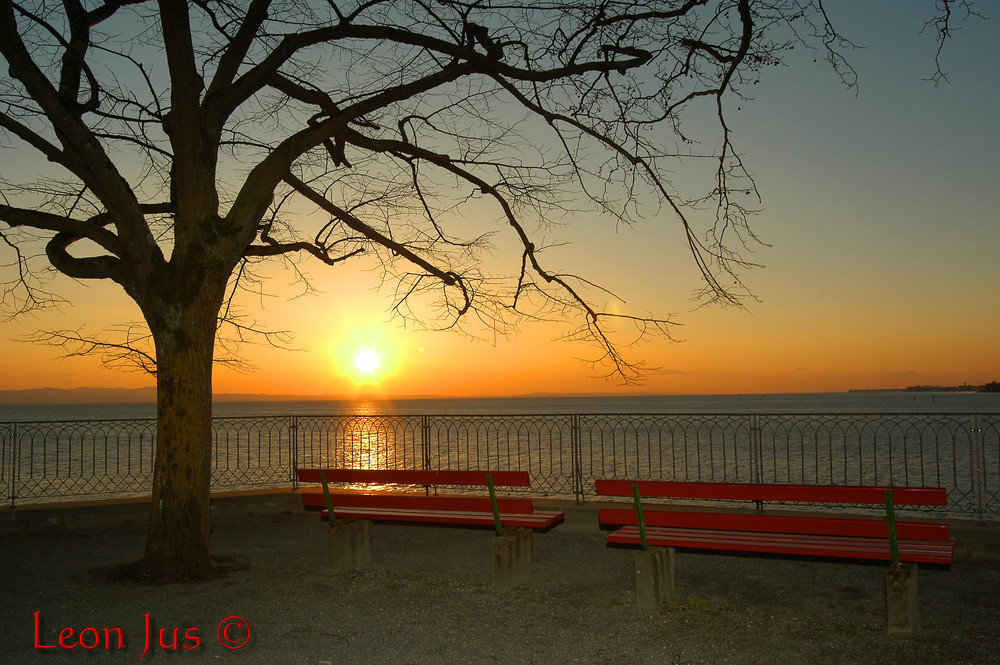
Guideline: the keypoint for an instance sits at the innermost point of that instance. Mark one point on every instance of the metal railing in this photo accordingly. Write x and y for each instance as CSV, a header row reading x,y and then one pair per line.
x,y
564,453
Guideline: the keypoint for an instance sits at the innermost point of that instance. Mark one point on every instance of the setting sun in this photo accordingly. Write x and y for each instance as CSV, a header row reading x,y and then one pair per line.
x,y
367,354
367,361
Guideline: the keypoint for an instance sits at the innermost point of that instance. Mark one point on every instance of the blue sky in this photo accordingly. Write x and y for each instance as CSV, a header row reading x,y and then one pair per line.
x,y
879,216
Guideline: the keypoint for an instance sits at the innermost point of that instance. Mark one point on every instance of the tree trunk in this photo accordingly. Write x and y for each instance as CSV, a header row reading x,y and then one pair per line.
x,y
177,546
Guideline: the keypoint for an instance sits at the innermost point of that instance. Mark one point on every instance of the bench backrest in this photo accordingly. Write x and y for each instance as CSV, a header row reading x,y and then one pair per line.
x,y
416,501
901,496
416,477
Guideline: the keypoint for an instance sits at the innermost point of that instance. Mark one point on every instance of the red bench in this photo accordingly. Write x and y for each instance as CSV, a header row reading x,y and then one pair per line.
x,y
416,507
793,534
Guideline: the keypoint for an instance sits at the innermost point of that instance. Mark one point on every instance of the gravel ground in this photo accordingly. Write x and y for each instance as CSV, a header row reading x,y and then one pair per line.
x,y
426,599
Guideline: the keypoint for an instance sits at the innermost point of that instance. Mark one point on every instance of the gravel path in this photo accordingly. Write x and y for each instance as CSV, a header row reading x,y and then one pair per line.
x,y
426,599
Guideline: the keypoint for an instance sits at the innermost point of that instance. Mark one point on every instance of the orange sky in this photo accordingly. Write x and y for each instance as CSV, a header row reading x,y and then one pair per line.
x,y
881,270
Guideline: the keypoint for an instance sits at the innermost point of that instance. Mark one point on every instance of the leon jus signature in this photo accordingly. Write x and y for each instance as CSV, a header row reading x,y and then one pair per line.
x,y
232,632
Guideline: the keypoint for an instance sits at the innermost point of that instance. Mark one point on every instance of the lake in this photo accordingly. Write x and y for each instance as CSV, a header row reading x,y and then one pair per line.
x,y
799,403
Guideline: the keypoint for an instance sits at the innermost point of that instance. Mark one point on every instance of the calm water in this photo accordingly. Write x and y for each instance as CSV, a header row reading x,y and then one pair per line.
x,y
852,403
950,440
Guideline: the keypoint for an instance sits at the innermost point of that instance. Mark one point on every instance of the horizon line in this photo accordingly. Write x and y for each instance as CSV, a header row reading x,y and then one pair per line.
x,y
105,395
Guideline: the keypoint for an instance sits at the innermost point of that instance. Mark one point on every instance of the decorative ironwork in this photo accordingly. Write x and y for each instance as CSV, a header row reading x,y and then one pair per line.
x,y
564,453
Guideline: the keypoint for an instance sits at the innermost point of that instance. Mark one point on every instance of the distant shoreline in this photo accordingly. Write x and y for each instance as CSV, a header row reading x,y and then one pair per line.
x,y
147,395
991,387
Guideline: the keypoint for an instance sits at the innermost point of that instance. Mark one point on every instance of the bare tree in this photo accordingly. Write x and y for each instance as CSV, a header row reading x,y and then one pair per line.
x,y
188,140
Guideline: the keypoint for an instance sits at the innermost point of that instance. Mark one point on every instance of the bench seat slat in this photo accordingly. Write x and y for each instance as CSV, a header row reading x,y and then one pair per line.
x,y
801,524
416,477
792,544
902,496
412,501
535,520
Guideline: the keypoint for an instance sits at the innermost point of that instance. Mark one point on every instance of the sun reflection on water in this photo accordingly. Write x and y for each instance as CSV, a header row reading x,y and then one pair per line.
x,y
370,436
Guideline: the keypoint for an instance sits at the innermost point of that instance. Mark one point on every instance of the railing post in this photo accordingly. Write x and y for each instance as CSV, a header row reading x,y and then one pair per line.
x,y
756,455
576,455
978,467
293,446
15,453
425,441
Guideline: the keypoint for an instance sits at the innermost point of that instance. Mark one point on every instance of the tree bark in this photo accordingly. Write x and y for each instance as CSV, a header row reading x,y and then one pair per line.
x,y
177,546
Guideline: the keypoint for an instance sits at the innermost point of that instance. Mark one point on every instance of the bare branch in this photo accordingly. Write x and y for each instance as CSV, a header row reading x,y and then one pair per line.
x,y
401,122
943,25
133,353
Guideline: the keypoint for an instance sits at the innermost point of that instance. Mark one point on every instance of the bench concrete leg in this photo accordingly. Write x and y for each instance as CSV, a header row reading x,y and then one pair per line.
x,y
512,559
654,577
348,545
901,599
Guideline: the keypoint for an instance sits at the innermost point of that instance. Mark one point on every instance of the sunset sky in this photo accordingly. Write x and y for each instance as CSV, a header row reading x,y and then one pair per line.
x,y
881,270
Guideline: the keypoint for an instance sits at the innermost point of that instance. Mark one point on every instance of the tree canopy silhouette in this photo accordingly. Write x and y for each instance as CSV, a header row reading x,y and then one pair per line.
x,y
188,142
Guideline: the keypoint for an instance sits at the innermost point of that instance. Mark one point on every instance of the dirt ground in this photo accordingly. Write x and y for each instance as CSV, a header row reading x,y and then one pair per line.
x,y
426,599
